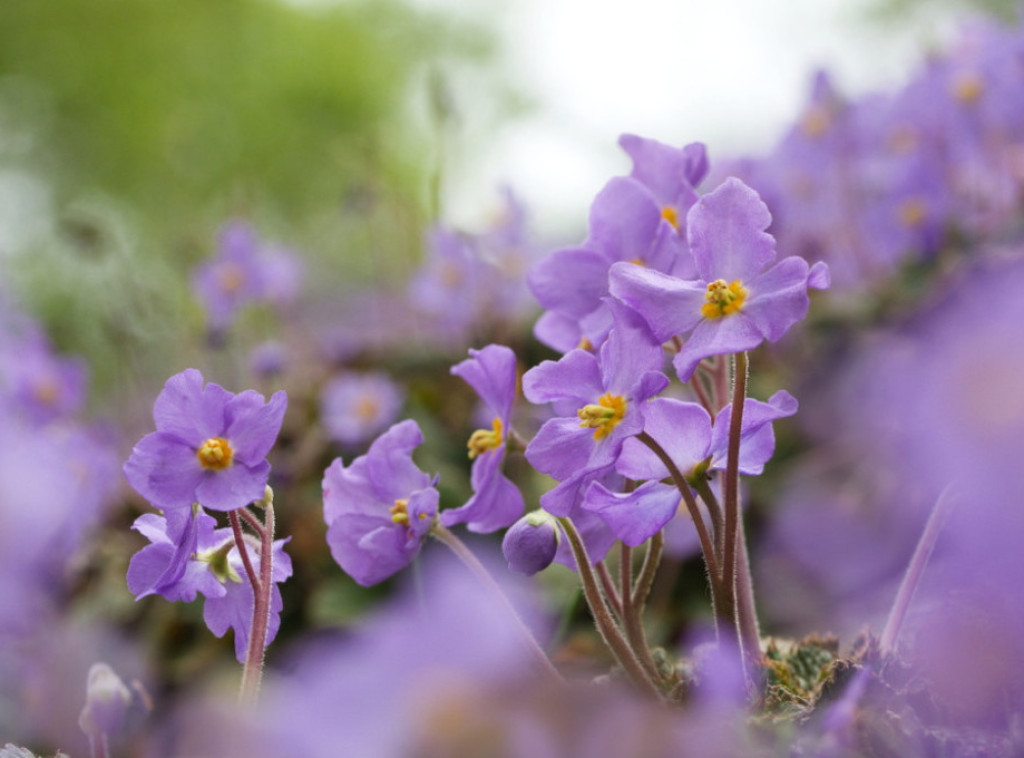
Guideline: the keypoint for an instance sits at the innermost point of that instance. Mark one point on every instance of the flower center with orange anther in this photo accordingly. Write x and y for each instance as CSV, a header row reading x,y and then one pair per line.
x,y
669,214
604,415
485,440
367,408
723,299
215,453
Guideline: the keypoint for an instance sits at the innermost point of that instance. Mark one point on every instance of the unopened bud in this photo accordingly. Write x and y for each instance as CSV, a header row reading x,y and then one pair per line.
x,y
530,543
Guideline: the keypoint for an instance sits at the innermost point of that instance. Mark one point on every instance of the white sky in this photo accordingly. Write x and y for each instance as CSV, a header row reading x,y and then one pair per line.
x,y
730,73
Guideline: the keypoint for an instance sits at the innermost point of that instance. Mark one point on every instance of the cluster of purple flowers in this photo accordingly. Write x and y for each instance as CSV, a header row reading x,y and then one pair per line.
x,y
868,184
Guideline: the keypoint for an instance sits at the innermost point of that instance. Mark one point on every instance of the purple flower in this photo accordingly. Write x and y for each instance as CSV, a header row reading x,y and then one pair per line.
x,y
210,446
356,407
233,608
380,508
605,396
233,278
737,301
44,386
106,700
496,502
169,565
670,174
684,430
626,224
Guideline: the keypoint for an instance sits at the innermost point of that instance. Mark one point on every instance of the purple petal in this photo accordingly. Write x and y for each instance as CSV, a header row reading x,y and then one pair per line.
x,y
778,298
530,544
721,336
636,516
819,277
670,306
629,354
575,376
188,411
234,487
253,424
164,470
389,462
624,219
557,331
496,502
726,233
561,448
682,429
667,171
570,281
492,373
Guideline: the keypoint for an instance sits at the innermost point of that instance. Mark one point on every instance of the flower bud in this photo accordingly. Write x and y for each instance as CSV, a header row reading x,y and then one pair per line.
x,y
106,700
531,542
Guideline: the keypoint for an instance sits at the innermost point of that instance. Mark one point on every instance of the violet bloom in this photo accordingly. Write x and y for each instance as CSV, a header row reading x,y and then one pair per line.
x,y
210,446
44,386
379,509
737,301
169,566
605,396
496,502
684,430
626,224
232,279
356,407
670,174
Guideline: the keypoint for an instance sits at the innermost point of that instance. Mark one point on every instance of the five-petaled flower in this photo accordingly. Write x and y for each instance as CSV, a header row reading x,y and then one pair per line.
x,y
210,446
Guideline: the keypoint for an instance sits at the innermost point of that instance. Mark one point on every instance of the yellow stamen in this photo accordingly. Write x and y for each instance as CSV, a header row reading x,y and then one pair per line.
x,y
669,214
485,440
585,344
603,416
400,512
723,299
912,212
215,453
46,391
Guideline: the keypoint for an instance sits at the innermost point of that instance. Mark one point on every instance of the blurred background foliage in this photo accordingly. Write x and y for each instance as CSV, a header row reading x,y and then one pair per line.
x,y
130,130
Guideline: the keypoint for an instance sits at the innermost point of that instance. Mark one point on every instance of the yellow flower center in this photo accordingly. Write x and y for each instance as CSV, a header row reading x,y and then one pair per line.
x,y
723,299
215,453
604,415
367,408
231,276
485,440
585,344
968,88
912,212
669,214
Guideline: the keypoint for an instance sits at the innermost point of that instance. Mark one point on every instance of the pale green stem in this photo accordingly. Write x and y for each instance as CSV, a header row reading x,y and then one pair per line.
x,y
478,570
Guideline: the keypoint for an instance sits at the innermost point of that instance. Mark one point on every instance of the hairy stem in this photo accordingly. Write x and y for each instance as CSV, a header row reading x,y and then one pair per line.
x,y
252,673
608,586
719,600
606,625
478,570
632,619
650,567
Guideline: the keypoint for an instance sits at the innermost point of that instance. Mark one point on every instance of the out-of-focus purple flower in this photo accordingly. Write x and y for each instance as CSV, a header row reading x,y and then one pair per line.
x,y
210,446
496,502
737,301
379,509
626,224
426,662
268,359
531,543
43,386
605,395
106,700
355,407
245,272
